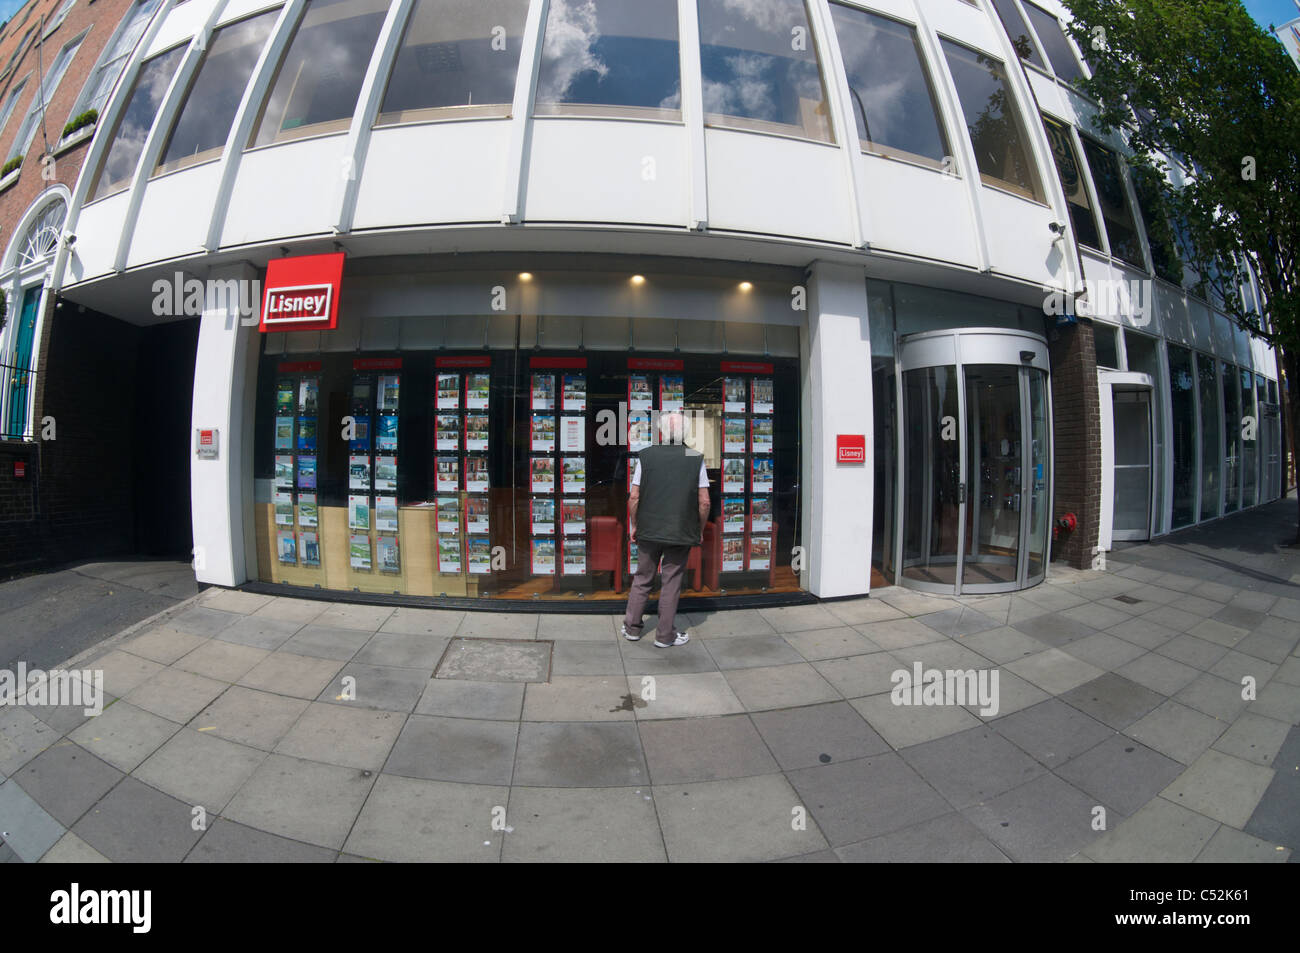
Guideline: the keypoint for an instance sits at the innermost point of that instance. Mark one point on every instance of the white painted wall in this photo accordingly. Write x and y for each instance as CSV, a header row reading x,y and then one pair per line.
x,y
221,490
837,498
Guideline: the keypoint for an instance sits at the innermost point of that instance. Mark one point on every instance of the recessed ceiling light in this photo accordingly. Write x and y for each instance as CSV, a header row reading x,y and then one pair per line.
x,y
638,279
746,286
525,276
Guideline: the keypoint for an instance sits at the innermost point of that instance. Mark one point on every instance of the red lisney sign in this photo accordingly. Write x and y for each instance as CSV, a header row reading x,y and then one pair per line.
x,y
850,448
302,294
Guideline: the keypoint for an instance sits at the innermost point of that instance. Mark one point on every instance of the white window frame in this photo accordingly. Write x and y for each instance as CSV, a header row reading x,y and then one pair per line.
x,y
41,100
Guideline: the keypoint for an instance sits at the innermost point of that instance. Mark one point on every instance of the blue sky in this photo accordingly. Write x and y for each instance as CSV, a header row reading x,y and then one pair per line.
x,y
1264,11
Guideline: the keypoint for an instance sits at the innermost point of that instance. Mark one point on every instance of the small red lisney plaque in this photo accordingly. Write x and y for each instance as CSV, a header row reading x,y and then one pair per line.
x,y
850,448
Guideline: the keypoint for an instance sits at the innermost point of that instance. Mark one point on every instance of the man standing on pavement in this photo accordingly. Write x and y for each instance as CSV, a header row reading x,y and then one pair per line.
x,y
666,512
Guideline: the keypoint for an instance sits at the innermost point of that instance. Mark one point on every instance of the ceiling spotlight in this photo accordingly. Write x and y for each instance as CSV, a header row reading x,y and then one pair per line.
x,y
525,276
638,279
746,286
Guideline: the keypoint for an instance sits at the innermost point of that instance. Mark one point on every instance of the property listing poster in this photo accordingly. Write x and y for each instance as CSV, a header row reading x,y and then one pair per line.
x,y
287,547
307,434
359,513
574,475
476,432
448,514
760,552
307,515
447,473
672,392
480,555
283,470
733,435
543,513
284,433
359,552
573,516
449,554
387,554
478,390
306,473
386,514
358,473
309,549
573,393
760,515
543,392
283,508
733,474
733,396
308,396
760,430
386,435
389,393
574,553
543,474
573,434
639,394
638,431
449,391
543,433
733,553
447,431
733,514
476,514
386,473
283,397
543,551
476,474
763,474
764,393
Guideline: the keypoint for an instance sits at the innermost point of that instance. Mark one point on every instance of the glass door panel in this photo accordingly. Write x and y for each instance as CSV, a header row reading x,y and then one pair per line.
x,y
995,462
1132,500
1039,477
932,475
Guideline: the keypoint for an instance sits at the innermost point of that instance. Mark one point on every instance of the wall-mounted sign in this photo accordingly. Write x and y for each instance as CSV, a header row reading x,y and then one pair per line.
x,y
850,448
207,444
20,469
302,294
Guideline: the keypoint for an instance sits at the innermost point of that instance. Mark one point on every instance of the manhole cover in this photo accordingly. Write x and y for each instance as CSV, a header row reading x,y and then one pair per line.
x,y
496,660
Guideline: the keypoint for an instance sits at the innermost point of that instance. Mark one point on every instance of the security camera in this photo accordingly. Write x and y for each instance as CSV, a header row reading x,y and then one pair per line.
x,y
1056,228
69,239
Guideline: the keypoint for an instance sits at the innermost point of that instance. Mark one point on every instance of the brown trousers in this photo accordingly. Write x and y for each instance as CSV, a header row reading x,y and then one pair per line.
x,y
674,570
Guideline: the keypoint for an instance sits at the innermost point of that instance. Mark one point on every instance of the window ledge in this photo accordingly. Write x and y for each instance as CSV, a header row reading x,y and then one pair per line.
x,y
73,138
8,181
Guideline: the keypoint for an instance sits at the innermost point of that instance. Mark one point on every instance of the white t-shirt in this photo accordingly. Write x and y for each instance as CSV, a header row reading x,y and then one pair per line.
x,y
704,476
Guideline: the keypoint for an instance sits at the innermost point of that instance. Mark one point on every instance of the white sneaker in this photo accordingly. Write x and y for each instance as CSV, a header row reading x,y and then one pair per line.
x,y
681,639
631,636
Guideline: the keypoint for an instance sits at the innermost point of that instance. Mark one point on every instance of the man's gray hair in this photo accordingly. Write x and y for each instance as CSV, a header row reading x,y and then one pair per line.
x,y
672,427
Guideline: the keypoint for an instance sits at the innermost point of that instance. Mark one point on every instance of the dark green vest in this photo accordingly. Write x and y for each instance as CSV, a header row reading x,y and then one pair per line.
x,y
669,512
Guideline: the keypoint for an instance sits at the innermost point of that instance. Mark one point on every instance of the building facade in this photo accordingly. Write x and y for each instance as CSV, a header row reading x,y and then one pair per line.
x,y
448,259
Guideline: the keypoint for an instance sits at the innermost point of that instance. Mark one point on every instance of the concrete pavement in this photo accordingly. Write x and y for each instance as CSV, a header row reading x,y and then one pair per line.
x,y
319,731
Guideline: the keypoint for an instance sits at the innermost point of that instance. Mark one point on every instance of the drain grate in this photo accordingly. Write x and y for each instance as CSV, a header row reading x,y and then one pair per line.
x,y
1128,600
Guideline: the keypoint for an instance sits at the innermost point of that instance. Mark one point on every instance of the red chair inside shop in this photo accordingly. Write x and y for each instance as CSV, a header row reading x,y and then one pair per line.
x,y
706,560
605,550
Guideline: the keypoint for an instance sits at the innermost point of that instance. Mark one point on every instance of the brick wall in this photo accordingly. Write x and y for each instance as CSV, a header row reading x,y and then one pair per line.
x,y
1075,405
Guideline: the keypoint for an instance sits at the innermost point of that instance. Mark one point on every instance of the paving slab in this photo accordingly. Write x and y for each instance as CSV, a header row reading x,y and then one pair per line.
x,y
972,766
583,825
579,754
1120,773
134,823
906,725
200,769
409,820
1160,833
466,750
501,701
26,828
1052,732
818,734
124,735
738,820
778,686
856,800
1041,821
496,660
302,800
226,842
705,749
1222,787
1113,700
350,737
948,839
378,687
66,780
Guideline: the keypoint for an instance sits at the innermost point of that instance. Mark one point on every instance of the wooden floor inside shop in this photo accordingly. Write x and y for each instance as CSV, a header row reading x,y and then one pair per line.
x,y
784,581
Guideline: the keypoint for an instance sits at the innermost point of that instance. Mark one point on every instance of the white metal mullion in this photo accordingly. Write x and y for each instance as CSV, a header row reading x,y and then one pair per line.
x,y
521,114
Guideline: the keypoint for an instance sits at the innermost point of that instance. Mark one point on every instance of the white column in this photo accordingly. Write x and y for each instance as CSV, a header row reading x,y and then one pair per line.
x,y
221,490
837,497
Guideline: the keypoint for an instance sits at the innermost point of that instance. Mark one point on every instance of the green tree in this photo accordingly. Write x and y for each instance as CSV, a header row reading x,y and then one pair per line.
x,y
1199,81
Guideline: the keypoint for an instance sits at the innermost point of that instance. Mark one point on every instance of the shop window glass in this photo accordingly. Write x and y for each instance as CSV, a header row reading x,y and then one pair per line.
x,y
1054,43
1161,238
993,120
204,122
1249,437
611,58
1182,402
1107,353
456,59
505,473
136,122
97,89
1072,183
1231,438
893,98
1207,385
317,84
761,70
1108,180
1018,31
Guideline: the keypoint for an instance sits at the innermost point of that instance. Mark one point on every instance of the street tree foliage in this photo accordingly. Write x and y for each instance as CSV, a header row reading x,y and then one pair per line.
x,y
1209,104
